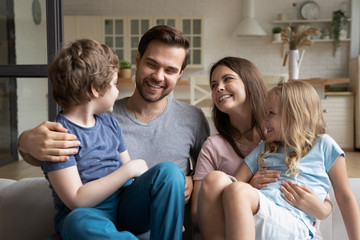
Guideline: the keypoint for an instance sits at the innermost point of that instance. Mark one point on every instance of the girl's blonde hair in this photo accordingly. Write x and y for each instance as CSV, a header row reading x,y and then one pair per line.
x,y
302,121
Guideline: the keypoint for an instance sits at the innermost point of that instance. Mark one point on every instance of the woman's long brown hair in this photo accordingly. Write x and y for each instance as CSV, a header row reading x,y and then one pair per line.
x,y
255,94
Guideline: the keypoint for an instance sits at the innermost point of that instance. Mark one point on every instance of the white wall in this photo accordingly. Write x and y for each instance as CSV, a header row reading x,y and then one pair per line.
x,y
355,29
220,19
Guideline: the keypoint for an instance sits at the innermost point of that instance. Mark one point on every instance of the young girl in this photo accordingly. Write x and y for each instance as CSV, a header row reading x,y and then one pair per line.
x,y
297,147
239,95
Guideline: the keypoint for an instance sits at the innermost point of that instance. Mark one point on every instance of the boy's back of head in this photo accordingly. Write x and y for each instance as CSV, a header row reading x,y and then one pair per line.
x,y
79,66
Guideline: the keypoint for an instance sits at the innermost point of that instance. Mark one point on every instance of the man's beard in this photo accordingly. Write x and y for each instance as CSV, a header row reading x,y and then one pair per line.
x,y
142,94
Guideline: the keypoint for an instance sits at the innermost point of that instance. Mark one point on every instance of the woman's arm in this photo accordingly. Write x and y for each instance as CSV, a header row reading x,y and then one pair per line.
x,y
67,184
244,173
47,142
194,200
345,198
303,198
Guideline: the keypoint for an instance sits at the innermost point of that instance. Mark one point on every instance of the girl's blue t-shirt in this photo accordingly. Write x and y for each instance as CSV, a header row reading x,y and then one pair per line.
x,y
99,152
313,172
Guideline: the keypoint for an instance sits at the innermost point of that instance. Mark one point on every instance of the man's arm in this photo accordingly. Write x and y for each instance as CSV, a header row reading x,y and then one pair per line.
x,y
47,142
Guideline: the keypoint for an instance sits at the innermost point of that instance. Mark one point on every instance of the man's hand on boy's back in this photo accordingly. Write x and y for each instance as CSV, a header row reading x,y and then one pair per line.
x,y
47,142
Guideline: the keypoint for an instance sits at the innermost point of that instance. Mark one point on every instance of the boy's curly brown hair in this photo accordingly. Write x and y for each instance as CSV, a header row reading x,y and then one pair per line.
x,y
79,67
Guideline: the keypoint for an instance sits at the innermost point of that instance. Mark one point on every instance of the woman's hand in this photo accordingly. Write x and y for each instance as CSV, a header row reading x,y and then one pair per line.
x,y
188,188
303,198
263,177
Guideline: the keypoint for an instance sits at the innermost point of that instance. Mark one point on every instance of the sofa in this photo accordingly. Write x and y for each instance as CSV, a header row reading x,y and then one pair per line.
x,y
27,211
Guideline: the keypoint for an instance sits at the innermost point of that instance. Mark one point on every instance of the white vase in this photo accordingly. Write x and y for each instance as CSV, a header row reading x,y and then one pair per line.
x,y
294,63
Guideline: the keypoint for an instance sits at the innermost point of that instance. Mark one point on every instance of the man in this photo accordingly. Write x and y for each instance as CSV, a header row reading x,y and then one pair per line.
x,y
156,128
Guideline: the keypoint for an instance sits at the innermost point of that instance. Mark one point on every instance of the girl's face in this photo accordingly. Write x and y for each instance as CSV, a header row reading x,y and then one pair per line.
x,y
228,89
273,119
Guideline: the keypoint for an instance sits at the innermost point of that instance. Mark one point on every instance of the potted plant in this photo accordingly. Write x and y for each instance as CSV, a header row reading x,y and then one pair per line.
x,y
339,20
276,34
125,69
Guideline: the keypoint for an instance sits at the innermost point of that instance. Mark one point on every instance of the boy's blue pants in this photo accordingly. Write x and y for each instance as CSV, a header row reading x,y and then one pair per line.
x,y
154,201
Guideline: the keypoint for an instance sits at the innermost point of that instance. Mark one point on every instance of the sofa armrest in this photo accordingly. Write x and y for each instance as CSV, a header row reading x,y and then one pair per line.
x,y
27,209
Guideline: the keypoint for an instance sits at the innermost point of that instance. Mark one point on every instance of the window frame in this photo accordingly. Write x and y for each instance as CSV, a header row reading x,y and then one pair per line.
x,y
54,32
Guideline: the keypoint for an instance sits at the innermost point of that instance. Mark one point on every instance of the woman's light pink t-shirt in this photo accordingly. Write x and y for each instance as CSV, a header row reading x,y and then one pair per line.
x,y
217,154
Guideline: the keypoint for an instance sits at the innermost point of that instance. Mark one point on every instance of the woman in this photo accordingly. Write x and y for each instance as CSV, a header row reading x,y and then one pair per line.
x,y
239,94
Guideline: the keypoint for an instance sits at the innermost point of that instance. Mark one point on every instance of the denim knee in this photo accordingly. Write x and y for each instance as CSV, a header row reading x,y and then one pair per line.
x,y
91,223
170,172
76,223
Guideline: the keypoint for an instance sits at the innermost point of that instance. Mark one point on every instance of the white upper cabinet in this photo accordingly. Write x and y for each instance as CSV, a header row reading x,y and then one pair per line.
x,y
124,33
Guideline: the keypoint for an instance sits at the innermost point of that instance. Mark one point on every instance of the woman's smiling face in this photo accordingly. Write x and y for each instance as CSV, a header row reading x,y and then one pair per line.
x,y
228,90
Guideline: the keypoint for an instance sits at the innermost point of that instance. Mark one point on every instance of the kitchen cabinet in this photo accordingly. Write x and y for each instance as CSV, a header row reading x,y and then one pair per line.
x,y
77,27
354,74
123,34
338,109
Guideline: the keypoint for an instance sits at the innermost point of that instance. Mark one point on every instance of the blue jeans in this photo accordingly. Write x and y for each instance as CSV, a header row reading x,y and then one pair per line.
x,y
154,201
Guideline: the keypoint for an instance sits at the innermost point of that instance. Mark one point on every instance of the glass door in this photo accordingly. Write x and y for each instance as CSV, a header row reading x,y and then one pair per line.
x,y
31,32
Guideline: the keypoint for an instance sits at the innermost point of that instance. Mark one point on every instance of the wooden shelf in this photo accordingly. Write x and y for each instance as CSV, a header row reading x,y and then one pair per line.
x,y
125,82
326,20
313,22
182,82
325,81
338,93
319,41
302,21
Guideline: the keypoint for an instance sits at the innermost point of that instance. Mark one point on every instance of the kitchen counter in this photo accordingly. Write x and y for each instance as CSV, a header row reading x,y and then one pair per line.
x,y
325,81
320,85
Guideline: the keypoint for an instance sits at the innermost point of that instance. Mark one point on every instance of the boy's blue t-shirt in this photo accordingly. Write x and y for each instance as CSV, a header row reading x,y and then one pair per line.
x,y
98,153
313,172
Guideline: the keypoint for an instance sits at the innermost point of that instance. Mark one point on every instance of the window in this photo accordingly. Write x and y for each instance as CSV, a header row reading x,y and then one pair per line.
x,y
164,21
137,28
114,36
192,28
127,45
124,33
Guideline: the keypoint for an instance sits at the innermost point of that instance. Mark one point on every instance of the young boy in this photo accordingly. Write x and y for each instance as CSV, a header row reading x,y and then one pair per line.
x,y
89,187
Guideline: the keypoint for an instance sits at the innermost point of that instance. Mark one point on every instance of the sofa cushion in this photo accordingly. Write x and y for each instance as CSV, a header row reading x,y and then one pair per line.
x,y
27,209
6,182
333,227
